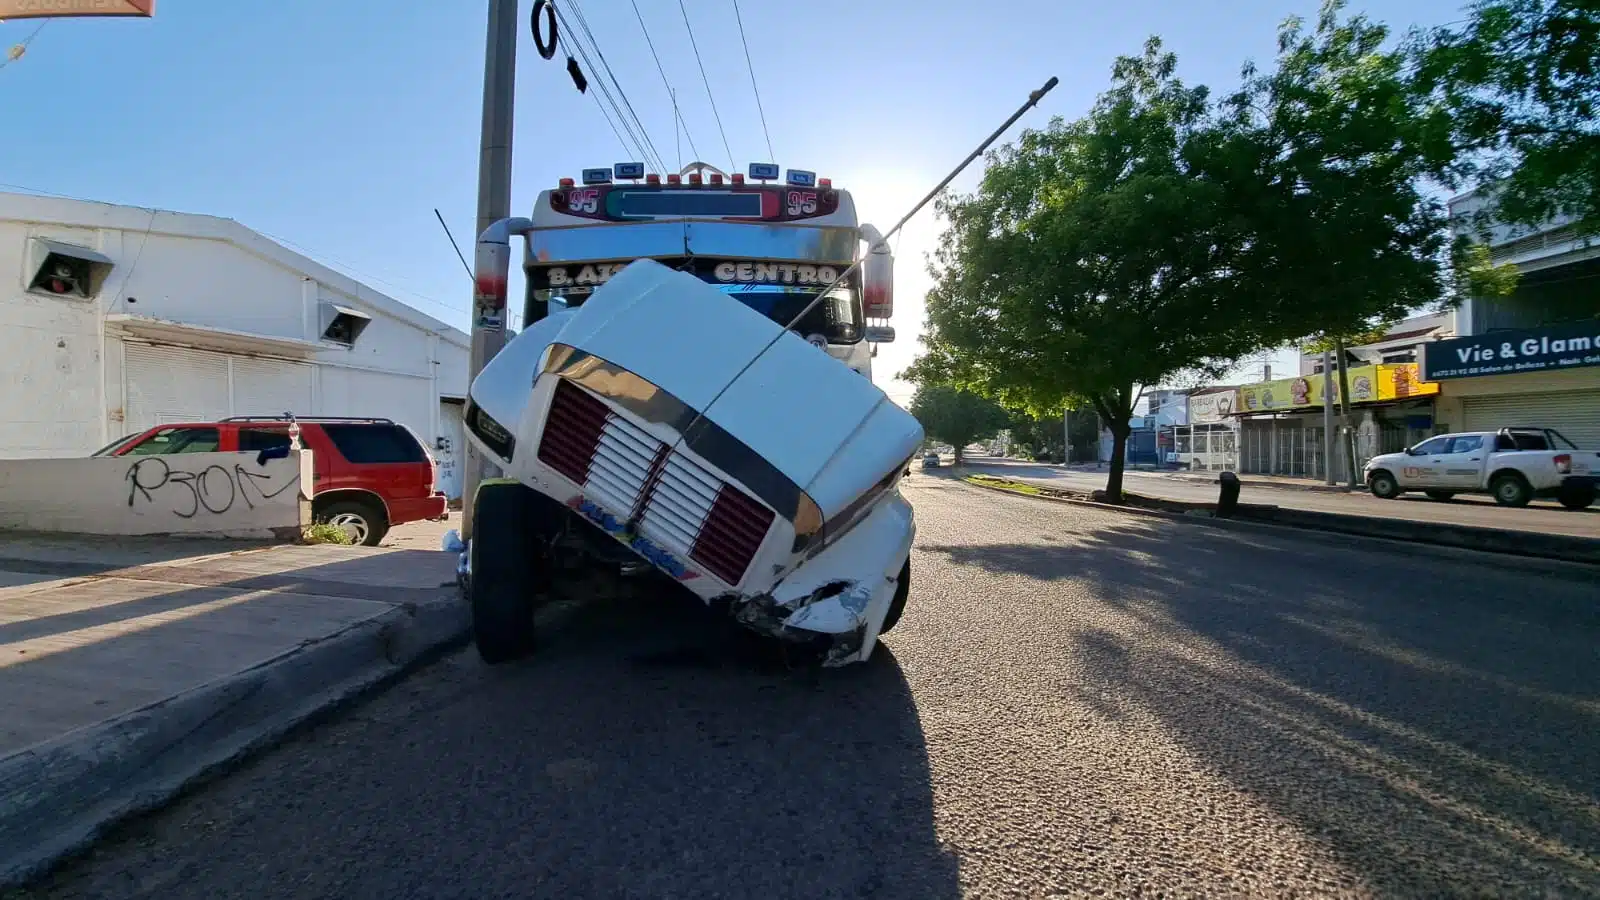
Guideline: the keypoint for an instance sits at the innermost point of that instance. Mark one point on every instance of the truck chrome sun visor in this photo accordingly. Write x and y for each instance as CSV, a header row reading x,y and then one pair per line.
x,y
707,440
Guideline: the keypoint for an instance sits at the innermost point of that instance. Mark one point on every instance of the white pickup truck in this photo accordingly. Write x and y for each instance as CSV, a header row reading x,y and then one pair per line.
x,y
1514,465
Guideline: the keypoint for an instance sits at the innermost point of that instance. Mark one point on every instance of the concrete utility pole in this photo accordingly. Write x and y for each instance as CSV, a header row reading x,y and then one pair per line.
x,y
494,204
1327,417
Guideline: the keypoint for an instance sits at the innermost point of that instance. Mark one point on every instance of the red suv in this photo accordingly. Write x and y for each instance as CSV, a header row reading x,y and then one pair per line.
x,y
369,474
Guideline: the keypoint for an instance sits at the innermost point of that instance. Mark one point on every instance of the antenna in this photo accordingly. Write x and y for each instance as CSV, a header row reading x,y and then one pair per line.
x,y
883,241
453,243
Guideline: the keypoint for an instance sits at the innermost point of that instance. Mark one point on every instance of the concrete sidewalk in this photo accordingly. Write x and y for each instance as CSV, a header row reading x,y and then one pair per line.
x,y
1280,482
129,667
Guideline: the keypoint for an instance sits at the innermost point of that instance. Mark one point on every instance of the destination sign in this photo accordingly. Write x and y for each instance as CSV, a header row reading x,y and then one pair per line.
x,y
583,278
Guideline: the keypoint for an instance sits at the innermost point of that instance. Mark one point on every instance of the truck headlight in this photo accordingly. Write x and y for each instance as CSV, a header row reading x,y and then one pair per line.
x,y
494,435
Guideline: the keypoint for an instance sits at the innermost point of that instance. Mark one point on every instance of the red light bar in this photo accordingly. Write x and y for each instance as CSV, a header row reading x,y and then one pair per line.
x,y
738,177
566,182
674,179
694,178
825,182
652,178
716,178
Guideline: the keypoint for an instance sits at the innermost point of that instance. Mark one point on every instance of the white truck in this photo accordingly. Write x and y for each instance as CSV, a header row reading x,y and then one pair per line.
x,y
735,460
1514,465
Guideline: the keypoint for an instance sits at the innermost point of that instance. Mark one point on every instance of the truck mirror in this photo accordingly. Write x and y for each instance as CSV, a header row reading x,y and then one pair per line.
x,y
880,334
877,284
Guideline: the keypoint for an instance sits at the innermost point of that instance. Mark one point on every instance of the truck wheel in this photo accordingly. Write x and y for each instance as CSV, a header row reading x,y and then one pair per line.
x,y
902,591
1441,496
1577,498
1511,489
1383,485
364,522
503,583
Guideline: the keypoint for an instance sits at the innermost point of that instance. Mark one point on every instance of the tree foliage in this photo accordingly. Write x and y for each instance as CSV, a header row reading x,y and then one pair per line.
x,y
956,417
1520,84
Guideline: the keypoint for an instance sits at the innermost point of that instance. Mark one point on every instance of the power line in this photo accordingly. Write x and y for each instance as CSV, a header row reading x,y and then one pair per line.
x,y
751,66
701,63
641,144
663,71
18,50
583,23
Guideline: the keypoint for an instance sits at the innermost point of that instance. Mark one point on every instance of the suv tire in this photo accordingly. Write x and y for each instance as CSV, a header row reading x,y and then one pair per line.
x,y
1511,489
1576,498
363,520
897,606
1383,485
505,578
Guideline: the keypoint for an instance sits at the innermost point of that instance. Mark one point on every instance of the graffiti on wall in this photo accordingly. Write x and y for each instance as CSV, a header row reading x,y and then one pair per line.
x,y
214,489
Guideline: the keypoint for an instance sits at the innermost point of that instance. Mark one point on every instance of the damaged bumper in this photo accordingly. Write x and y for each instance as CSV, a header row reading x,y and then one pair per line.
x,y
843,593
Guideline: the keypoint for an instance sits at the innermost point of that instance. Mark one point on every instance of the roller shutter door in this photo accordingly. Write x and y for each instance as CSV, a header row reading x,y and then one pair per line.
x,y
1575,414
271,387
173,384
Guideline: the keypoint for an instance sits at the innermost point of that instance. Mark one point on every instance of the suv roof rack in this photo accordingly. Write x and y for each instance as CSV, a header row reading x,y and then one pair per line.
x,y
375,420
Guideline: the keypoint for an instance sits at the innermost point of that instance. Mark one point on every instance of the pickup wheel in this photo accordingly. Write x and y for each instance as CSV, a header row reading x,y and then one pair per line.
x,y
1576,498
1441,496
504,579
897,606
1383,485
1511,489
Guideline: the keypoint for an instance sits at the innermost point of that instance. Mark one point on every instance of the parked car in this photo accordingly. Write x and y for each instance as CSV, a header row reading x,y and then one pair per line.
x,y
368,474
930,461
1514,465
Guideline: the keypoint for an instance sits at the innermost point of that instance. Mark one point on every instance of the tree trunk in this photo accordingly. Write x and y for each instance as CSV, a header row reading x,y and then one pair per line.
x,y
958,460
1119,454
1344,415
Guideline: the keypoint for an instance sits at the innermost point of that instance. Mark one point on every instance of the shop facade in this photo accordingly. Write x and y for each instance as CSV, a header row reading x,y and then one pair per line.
x,y
1547,377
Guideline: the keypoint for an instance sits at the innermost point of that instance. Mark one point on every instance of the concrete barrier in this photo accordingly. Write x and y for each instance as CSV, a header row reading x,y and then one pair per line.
x,y
237,495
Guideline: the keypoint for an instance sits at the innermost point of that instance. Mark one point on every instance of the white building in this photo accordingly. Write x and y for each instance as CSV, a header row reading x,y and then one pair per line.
x,y
117,318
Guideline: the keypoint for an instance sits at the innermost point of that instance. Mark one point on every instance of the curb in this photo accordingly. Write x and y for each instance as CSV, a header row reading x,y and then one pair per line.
x,y
1349,533
58,797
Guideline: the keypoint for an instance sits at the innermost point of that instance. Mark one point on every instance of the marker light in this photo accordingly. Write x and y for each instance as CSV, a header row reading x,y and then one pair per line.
x,y
674,179
632,171
763,171
597,176
716,178
694,178
652,178
738,177
825,182
802,178
566,182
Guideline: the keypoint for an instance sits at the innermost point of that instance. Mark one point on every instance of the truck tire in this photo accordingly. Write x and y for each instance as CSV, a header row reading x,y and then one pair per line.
x,y
1441,496
1577,498
1511,489
902,591
503,583
1383,485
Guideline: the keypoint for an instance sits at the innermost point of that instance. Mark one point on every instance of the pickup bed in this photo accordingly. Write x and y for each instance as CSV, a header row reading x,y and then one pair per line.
x,y
1514,465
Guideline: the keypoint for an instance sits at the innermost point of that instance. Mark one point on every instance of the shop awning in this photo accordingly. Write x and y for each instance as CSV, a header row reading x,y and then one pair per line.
x,y
205,337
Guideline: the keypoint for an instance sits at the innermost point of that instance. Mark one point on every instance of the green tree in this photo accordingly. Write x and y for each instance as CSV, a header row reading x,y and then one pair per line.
x,y
1099,256
1520,82
955,416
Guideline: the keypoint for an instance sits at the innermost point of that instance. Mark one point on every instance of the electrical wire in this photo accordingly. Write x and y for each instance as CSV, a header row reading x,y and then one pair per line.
x,y
659,68
583,23
641,144
18,50
683,9
752,68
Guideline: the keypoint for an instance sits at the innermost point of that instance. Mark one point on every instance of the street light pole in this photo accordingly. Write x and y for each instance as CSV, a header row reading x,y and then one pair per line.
x,y
494,204
1327,416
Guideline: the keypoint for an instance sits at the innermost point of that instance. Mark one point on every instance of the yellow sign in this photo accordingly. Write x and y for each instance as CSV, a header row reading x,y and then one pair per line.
x,y
1368,384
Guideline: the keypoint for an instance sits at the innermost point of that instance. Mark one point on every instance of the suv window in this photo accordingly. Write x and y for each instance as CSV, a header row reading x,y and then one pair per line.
x,y
366,443
1466,443
255,441
1432,446
176,440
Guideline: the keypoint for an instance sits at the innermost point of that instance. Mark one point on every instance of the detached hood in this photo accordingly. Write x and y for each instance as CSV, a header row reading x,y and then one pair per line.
x,y
828,429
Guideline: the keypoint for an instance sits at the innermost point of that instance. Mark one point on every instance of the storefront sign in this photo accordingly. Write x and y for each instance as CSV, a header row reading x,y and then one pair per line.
x,y
1571,346
1209,409
1368,384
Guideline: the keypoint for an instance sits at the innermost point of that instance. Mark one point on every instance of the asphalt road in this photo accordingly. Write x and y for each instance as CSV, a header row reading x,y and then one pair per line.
x,y
1465,509
1078,702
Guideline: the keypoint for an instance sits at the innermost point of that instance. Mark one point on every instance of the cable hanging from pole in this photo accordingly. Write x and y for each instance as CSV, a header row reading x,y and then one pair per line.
x,y
639,138
709,96
594,42
752,68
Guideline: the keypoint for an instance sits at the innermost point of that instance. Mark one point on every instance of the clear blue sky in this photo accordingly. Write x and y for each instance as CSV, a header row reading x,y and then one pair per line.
x,y
338,125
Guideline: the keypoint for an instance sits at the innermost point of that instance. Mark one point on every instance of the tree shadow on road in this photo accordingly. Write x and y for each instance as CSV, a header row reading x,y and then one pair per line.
x,y
1433,722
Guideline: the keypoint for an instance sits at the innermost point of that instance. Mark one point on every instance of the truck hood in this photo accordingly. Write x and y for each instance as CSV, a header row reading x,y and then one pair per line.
x,y
825,427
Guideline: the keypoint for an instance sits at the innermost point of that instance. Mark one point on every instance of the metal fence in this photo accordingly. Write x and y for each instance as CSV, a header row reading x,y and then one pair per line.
x,y
1293,447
